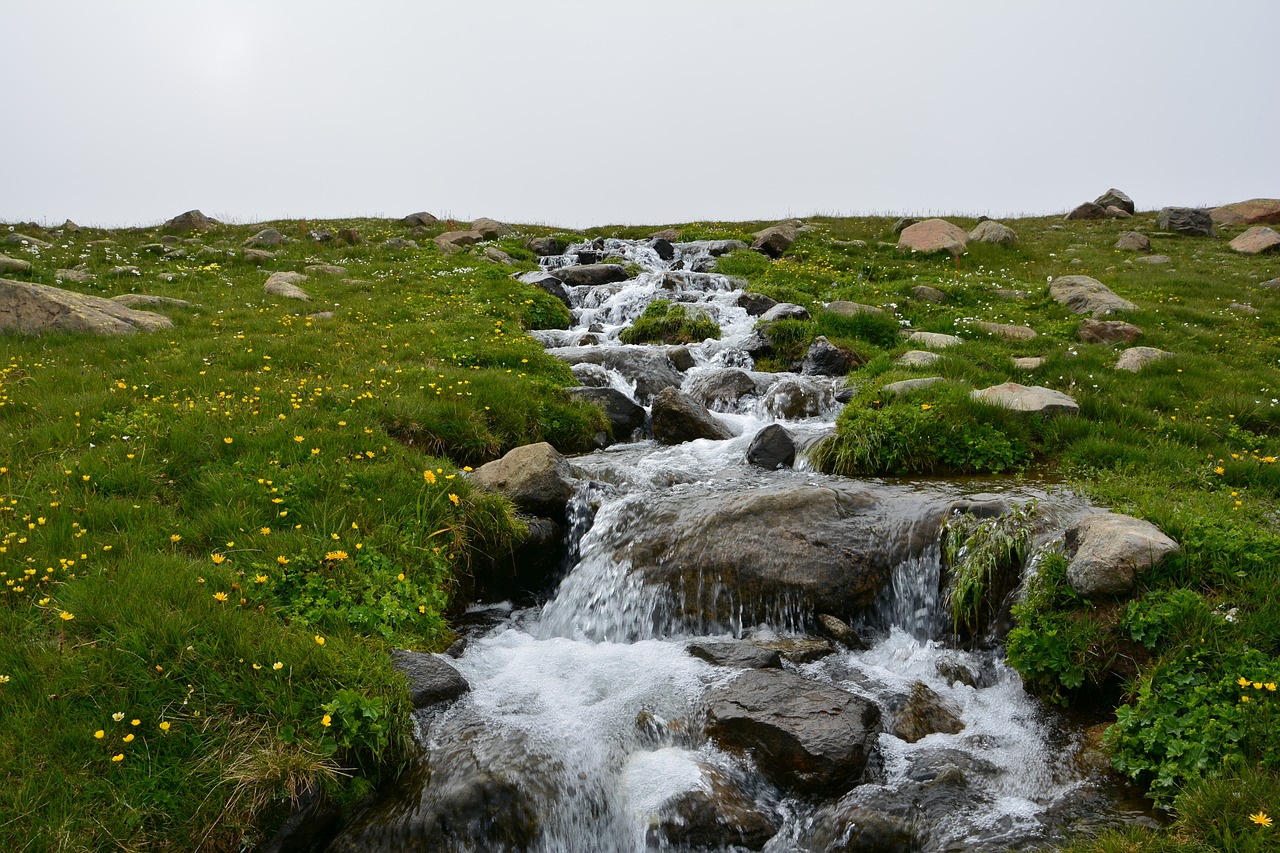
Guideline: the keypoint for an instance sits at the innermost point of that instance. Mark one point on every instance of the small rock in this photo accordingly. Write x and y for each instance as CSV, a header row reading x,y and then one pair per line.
x,y
591,275
1241,308
1088,210
1106,552
924,714
1028,363
544,246
624,415
934,235
12,265
1193,221
285,285
934,340
398,243
548,283
755,304
906,386
918,358
852,309
430,678
325,269
826,359
118,272
1008,332
838,630
734,653
321,315
267,238
678,418
498,256
258,257
74,276
994,232
925,293
1136,358
143,300
1154,260
452,242
1024,398
772,448
1108,332
798,650
1134,241
783,311
722,388
775,240
1257,239
1114,212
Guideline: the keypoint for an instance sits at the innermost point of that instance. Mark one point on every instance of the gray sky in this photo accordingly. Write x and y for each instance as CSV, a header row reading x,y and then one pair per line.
x,y
585,113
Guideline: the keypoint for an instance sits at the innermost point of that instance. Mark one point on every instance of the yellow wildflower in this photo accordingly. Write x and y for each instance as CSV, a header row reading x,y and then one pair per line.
x,y
66,617
319,640
428,476
1261,819
99,734
119,756
220,596
218,559
128,738
326,721
453,498
164,727
277,665
282,560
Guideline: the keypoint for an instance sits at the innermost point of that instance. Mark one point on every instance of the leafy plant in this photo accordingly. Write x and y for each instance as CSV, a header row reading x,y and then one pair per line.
x,y
984,559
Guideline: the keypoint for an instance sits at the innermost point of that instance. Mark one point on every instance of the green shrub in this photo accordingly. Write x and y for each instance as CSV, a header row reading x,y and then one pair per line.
x,y
1053,634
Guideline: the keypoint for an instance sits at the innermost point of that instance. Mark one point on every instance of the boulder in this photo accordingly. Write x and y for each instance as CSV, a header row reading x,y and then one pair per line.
x,y
722,389
452,242
934,340
715,248
678,418
926,293
772,448
74,276
325,269
536,477
285,285
847,828
1106,552
624,415
840,631
548,283
680,357
122,271
649,368
918,358
1136,358
1006,331
1193,221
257,257
783,311
545,246
1134,241
1115,198
590,375
1114,212
322,235
1154,260
36,308
192,220
1024,398
498,256
1255,211
798,650
934,235
1108,332
1088,210
1084,295
716,814
664,248
591,275
755,304
852,309
734,653
906,386
1029,363
922,714
801,733
12,265
267,238
994,232
903,222
1257,239
430,678
796,397
143,300
826,359
776,239
491,229
420,219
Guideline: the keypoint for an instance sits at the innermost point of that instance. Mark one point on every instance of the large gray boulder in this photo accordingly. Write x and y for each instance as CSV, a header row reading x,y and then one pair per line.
x,y
536,477
651,369
624,415
285,285
1257,239
801,733
591,275
1024,398
192,220
1255,211
1193,221
430,678
934,235
993,232
678,417
1106,552
1085,295
36,308
1136,358
776,239
1115,198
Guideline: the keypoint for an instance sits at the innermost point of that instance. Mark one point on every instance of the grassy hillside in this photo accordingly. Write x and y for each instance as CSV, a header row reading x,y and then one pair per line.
x,y
217,530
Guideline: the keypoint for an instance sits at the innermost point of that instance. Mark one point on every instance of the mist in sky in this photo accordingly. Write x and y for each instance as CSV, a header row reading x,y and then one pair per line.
x,y
588,113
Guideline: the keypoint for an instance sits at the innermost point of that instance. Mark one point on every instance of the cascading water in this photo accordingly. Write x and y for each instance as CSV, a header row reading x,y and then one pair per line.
x,y
587,727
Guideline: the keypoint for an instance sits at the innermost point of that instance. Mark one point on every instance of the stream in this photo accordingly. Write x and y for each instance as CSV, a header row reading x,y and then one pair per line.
x,y
677,692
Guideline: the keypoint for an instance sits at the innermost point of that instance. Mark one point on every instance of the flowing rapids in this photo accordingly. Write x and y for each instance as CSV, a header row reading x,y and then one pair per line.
x,y
585,729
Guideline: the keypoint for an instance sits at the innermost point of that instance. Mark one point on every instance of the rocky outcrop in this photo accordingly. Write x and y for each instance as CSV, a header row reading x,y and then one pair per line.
x,y
1106,553
591,275
430,679
33,309
1136,358
1192,221
1255,211
452,242
285,285
421,219
192,220
1108,332
826,359
1256,240
772,448
1115,198
1134,241
934,235
536,477
993,232
1028,398
650,369
625,417
1085,295
800,733
678,418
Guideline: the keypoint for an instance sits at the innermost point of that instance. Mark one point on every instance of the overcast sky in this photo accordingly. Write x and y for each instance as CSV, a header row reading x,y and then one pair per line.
x,y
582,113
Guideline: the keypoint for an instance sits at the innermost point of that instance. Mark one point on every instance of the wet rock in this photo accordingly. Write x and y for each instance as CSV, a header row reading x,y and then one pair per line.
x,y
430,678
715,248
1257,239
1134,241
1115,198
918,358
925,293
13,265
934,340
33,309
545,246
681,358
396,244
1192,221
678,418
734,653
267,238
840,631
722,389
801,733
783,311
1085,295
1136,358
718,814
1008,332
624,415
855,829
491,229
755,304
1255,211
775,240
192,220
1088,210
591,275
325,269
651,370
1108,332
934,235
955,671
535,476
772,448
852,309
664,248
922,714
1106,552
826,359
144,300
794,397
548,283
994,232
453,242
906,386
285,285
75,276
421,219
1023,398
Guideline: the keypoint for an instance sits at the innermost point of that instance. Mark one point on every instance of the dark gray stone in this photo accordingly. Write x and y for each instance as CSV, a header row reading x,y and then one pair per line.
x,y
734,653
772,448
678,418
430,678
624,415
1192,221
826,359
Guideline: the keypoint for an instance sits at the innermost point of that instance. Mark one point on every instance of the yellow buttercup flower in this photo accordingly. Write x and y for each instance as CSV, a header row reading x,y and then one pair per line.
x,y
118,757
128,738
319,640
218,559
277,665
99,734
453,498
1242,681
282,560
164,727
326,721
428,476
118,716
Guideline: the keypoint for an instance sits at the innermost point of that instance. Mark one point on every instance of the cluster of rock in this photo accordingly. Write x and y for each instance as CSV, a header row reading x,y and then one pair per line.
x,y
1113,204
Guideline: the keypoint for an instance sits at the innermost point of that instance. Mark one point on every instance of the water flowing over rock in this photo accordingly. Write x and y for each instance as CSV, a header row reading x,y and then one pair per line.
x,y
649,370
1085,295
934,235
716,815
591,275
1192,221
922,714
678,417
1107,552
722,389
535,476
32,309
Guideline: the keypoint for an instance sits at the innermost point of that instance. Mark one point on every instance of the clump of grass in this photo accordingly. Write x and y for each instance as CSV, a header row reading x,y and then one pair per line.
x,y
984,559
670,323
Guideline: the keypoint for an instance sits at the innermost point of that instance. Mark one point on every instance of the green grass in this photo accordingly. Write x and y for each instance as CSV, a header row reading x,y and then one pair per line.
x,y
248,449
